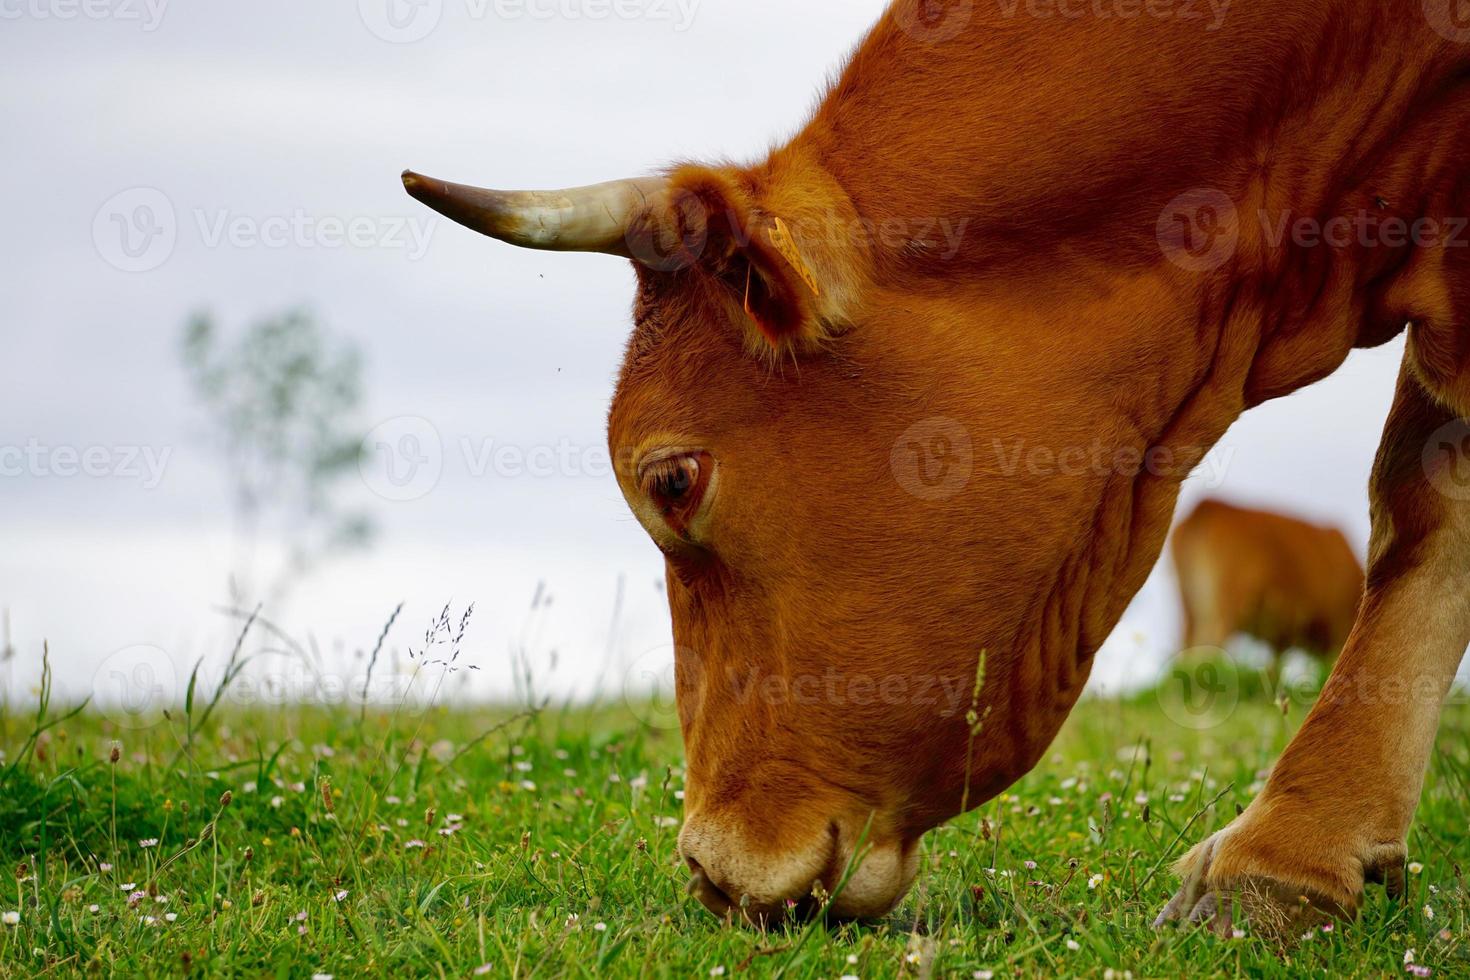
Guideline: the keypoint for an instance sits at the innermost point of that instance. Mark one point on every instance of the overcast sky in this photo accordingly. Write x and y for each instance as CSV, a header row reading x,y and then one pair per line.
x,y
166,157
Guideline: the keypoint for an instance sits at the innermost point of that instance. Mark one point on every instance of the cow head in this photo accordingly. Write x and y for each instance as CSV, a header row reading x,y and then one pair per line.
x,y
897,519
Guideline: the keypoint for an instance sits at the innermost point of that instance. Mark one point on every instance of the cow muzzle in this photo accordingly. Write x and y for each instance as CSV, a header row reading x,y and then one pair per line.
x,y
841,870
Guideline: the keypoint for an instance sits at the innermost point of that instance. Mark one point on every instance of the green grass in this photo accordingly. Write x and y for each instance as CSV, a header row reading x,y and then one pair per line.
x,y
448,842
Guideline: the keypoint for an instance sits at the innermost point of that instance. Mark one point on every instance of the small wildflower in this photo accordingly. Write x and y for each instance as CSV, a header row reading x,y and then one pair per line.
x,y
528,786
148,842
321,976
340,896
392,800
1327,927
300,916
104,867
1093,882
852,959
599,926
1030,865
1237,933
412,844
1429,913
1419,971
1073,945
1408,956
276,802
482,969
913,957
10,918
1415,868
135,898
717,971
170,916
94,908
129,886
984,975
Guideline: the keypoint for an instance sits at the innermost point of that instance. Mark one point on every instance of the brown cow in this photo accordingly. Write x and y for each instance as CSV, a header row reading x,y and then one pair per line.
x,y
1289,584
871,451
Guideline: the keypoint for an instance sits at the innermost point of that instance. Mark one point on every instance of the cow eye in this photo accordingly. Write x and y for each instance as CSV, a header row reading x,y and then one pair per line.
x,y
676,485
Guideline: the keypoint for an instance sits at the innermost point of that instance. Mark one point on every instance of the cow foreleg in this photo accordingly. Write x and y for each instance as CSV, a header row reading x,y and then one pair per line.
x,y
1336,810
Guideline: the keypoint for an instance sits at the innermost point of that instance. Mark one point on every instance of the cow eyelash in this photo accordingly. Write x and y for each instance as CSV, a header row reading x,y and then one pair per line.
x,y
676,484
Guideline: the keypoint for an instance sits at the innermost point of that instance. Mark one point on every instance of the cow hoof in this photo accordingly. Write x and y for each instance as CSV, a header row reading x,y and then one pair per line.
x,y
1223,887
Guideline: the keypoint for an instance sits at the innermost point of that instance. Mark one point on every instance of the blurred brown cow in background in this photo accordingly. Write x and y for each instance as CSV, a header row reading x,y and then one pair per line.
x,y
1289,584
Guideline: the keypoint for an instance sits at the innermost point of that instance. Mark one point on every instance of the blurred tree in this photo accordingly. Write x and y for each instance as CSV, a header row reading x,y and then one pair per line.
x,y
280,399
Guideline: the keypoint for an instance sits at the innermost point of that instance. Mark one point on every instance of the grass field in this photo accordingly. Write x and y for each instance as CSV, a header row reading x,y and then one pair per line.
x,y
308,841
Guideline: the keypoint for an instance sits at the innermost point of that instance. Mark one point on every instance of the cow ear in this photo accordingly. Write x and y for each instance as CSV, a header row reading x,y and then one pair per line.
x,y
755,254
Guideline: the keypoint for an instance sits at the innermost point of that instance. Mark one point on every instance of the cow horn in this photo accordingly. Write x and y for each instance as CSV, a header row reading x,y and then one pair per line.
x,y
580,219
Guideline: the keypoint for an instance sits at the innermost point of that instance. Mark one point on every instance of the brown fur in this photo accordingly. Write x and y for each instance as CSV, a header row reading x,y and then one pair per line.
x,y
1290,584
1055,322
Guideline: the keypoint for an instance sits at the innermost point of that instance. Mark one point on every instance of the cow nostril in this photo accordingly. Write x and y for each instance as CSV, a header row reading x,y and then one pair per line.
x,y
710,895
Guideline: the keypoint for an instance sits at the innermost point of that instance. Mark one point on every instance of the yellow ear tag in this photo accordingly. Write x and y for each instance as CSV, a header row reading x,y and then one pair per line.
x,y
786,245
